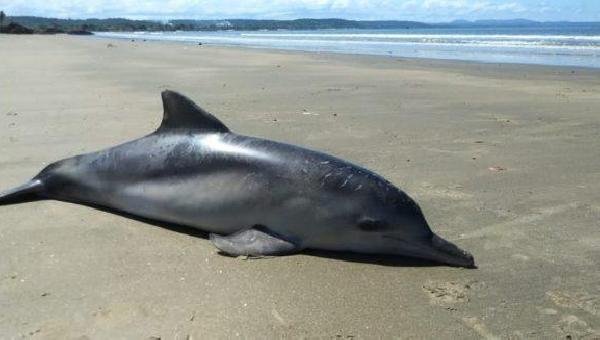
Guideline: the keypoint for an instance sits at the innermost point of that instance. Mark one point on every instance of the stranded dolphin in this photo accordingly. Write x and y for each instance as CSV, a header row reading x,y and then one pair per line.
x,y
254,196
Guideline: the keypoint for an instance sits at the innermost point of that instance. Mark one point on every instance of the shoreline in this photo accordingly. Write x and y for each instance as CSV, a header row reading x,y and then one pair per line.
x,y
419,48
415,62
502,159
450,62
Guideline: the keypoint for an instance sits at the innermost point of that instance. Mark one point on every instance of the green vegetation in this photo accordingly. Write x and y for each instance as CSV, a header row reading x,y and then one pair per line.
x,y
298,24
20,24
52,25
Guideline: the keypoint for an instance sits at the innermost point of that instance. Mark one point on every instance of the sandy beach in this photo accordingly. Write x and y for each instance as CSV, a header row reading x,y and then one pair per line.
x,y
503,159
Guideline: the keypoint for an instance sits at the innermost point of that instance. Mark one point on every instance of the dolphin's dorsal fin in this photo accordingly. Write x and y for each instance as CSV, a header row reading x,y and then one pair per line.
x,y
180,112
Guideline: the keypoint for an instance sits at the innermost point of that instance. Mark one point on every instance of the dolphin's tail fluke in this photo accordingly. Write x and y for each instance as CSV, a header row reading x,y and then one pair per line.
x,y
29,191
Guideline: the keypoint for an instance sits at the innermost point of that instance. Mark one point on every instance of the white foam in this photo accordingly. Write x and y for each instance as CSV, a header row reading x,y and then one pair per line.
x,y
536,49
429,36
264,40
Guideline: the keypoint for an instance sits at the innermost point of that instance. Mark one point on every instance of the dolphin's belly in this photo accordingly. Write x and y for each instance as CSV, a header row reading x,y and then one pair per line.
x,y
221,202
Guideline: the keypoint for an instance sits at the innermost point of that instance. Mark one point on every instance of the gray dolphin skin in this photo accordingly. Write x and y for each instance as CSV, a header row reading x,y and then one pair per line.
x,y
254,196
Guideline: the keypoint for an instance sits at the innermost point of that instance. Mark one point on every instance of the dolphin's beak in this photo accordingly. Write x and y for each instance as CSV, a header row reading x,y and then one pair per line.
x,y
435,249
447,252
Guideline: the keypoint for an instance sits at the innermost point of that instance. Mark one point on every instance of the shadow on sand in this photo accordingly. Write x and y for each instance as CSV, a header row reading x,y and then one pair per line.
x,y
382,260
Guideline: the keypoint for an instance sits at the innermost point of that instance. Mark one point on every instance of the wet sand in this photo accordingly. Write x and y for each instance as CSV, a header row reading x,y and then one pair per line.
x,y
503,159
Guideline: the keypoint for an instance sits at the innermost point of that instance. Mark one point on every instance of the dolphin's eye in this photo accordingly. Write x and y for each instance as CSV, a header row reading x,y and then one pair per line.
x,y
369,224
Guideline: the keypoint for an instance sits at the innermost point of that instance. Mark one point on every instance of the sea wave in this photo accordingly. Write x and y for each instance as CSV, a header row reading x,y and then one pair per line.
x,y
429,36
551,49
433,40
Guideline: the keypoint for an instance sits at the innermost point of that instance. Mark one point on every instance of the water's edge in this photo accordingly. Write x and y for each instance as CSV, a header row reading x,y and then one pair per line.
x,y
580,49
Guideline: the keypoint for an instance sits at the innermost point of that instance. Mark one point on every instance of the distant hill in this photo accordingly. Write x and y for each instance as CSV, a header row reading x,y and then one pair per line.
x,y
53,25
15,28
41,24
119,24
509,23
491,22
297,24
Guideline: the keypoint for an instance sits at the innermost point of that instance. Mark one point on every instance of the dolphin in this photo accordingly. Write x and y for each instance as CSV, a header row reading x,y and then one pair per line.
x,y
253,196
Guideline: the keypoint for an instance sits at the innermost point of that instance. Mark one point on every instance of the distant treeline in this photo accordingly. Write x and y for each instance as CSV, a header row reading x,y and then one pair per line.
x,y
118,24
52,25
298,24
40,24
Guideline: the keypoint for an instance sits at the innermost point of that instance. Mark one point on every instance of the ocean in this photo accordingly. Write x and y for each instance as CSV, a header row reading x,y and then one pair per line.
x,y
572,45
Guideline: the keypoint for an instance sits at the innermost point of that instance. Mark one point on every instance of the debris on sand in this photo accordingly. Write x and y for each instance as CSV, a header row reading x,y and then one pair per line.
x,y
442,293
496,168
451,292
308,113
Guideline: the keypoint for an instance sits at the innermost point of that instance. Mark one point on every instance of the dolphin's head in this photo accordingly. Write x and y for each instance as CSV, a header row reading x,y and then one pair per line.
x,y
371,215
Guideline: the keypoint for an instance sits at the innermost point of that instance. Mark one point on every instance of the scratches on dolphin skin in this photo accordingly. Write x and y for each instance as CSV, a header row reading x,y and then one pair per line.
x,y
358,187
346,180
480,328
325,179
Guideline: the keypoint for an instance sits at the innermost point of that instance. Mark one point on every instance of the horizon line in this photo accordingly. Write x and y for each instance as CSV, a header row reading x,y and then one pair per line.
x,y
306,18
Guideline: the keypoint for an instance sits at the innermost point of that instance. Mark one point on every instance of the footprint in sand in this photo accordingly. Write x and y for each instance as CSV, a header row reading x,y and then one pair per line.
x,y
480,328
570,325
583,301
446,293
547,311
575,328
116,315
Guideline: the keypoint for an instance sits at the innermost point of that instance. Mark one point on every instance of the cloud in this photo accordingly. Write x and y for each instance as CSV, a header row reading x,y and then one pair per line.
x,y
424,10
461,7
455,4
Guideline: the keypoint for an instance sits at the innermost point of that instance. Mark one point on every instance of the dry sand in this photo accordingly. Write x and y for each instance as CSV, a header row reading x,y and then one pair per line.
x,y
436,129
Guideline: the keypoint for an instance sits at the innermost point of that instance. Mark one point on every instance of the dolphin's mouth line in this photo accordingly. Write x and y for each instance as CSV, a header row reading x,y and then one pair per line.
x,y
393,238
407,244
412,249
437,250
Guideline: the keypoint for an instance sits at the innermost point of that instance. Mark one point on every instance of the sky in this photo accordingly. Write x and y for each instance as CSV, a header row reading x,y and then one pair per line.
x,y
418,10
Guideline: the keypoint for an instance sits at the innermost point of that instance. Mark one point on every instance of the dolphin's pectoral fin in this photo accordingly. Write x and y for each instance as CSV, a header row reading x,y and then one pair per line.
x,y
256,241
